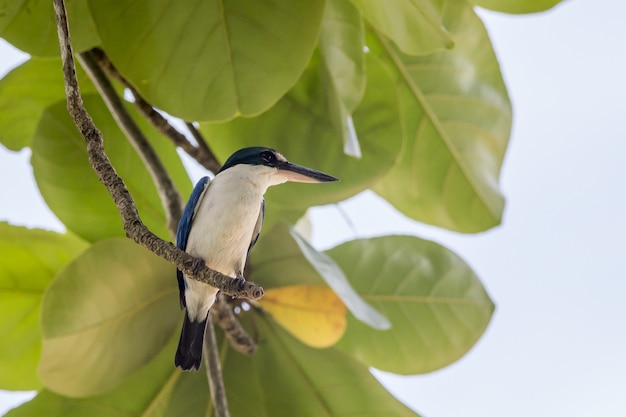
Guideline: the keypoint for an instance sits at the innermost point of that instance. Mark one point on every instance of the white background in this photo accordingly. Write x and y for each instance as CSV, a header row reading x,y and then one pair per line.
x,y
555,267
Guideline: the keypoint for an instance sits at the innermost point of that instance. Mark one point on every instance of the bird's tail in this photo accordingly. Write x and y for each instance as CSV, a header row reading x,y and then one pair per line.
x,y
189,352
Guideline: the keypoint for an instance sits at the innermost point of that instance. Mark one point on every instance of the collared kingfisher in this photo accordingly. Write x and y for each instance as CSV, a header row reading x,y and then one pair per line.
x,y
220,224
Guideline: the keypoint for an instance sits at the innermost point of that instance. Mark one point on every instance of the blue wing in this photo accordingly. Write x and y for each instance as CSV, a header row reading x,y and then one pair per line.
x,y
257,227
184,228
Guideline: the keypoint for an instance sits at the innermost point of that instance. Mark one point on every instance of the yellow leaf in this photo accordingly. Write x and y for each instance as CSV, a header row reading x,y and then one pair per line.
x,y
312,313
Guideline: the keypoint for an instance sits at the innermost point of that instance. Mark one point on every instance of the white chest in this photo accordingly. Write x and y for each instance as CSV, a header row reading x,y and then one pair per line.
x,y
225,220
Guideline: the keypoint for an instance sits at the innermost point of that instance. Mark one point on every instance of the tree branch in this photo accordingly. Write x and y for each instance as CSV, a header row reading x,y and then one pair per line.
x,y
222,313
203,146
170,198
133,226
202,153
214,370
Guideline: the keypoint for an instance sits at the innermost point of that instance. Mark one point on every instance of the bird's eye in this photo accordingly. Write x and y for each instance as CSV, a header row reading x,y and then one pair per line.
x,y
269,158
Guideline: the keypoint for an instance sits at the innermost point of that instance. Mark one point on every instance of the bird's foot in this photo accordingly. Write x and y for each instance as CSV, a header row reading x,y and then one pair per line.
x,y
241,282
198,265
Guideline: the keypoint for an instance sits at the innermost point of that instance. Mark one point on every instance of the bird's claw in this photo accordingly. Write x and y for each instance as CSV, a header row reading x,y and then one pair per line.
x,y
241,282
198,265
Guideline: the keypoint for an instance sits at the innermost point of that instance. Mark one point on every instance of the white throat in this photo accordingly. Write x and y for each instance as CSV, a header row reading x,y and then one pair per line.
x,y
260,177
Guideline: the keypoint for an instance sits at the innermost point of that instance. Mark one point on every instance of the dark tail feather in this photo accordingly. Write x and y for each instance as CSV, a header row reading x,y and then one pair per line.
x,y
189,352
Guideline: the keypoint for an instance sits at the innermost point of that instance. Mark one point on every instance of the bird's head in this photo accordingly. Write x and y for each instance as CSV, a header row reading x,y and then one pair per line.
x,y
270,162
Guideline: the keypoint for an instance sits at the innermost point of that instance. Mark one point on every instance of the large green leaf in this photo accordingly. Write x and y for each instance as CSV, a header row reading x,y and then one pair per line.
x,y
285,378
341,45
516,6
156,390
457,118
71,188
414,25
335,278
31,27
301,128
25,92
437,306
209,60
30,259
105,315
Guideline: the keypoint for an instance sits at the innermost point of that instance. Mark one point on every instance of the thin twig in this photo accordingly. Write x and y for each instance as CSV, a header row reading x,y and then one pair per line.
x,y
202,153
133,226
165,186
214,371
222,313
204,147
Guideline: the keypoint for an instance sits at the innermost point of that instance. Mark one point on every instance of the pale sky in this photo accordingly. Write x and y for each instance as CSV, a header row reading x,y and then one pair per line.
x,y
556,345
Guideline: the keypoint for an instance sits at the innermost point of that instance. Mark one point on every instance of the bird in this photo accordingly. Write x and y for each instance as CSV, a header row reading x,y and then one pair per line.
x,y
220,224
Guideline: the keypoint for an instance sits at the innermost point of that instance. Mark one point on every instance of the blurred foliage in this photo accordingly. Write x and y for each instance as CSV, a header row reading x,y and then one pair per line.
x,y
403,97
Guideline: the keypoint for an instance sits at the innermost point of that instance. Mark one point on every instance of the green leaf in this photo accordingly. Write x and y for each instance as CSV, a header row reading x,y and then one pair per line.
x,y
341,45
277,261
342,40
300,127
516,6
30,259
71,188
437,306
25,92
31,27
286,378
156,390
335,278
106,315
221,58
414,25
457,119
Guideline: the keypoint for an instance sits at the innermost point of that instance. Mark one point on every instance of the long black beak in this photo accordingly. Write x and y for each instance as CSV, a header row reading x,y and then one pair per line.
x,y
298,173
